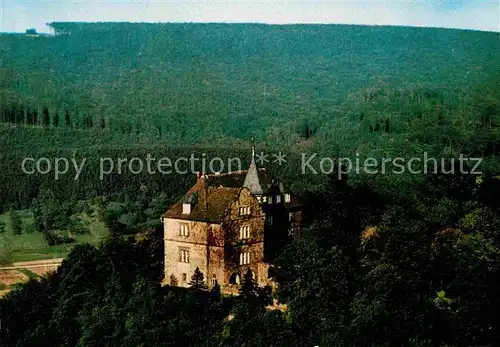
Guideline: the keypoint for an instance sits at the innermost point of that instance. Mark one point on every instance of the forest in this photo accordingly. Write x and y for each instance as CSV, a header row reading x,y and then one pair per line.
x,y
368,270
206,82
382,260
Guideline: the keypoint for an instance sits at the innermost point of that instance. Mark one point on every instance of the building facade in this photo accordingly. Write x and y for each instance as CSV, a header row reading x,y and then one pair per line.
x,y
227,224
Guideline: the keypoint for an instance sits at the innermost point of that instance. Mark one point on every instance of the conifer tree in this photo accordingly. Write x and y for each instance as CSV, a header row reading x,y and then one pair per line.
x,y
67,119
215,293
46,117
15,223
198,280
252,294
248,289
56,120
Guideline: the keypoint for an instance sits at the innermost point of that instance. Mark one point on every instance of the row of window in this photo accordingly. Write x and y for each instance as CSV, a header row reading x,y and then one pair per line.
x,y
245,258
244,231
184,256
270,219
244,210
269,199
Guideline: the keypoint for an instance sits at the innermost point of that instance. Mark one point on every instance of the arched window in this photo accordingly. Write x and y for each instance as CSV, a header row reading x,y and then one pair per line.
x,y
234,279
252,273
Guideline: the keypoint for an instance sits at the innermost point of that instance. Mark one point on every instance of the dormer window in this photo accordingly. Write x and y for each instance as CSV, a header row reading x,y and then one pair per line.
x,y
244,210
189,203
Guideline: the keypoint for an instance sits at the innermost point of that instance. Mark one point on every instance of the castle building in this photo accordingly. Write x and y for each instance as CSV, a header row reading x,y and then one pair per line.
x,y
226,224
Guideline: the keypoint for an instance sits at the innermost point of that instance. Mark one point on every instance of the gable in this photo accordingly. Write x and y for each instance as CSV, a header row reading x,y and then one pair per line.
x,y
212,196
244,199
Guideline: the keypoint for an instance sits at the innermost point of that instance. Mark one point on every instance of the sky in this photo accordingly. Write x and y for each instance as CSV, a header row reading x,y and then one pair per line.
x,y
18,15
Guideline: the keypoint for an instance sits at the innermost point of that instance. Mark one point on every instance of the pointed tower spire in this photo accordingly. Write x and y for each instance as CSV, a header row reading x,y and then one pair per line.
x,y
252,178
253,151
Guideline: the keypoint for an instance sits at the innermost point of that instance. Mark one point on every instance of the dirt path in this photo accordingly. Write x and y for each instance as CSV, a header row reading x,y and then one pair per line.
x,y
57,261
50,264
10,275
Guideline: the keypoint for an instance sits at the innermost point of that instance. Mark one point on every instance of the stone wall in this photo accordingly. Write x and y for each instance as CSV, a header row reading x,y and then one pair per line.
x,y
215,248
195,243
253,245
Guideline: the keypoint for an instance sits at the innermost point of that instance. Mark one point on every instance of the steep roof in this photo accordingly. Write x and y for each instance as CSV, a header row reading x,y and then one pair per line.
x,y
212,203
213,194
252,181
239,179
228,180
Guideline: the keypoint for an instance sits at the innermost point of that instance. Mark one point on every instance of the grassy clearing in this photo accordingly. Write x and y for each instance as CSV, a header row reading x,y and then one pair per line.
x,y
97,229
33,246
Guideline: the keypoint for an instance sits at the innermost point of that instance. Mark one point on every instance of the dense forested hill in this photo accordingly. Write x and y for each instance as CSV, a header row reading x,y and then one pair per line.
x,y
334,89
382,259
195,81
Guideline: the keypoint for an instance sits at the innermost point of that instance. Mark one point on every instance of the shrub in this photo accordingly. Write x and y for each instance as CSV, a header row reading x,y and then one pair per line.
x,y
16,223
54,239
30,229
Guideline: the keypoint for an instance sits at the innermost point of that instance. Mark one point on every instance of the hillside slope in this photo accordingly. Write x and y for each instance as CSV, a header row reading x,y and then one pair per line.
x,y
237,80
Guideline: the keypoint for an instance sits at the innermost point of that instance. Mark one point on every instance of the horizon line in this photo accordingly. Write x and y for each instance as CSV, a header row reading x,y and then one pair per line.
x,y
255,23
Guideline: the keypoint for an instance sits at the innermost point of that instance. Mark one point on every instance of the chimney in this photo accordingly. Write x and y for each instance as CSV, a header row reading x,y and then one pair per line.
x,y
198,175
